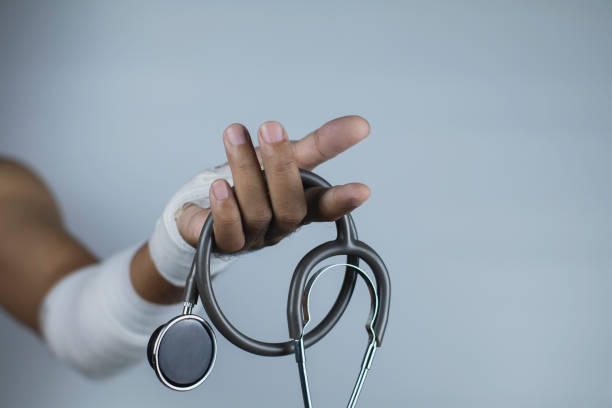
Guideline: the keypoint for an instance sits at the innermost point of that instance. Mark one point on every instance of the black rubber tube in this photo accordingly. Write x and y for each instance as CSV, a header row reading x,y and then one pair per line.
x,y
346,232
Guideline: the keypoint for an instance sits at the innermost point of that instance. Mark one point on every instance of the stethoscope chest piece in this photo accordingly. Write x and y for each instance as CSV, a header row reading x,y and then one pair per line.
x,y
182,352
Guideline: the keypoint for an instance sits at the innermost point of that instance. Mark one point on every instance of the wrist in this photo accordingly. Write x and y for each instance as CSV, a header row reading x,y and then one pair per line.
x,y
148,282
169,252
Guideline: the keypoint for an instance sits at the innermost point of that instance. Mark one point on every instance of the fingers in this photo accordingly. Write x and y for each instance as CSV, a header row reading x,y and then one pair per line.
x,y
324,204
249,183
329,140
263,211
229,235
283,179
227,228
329,204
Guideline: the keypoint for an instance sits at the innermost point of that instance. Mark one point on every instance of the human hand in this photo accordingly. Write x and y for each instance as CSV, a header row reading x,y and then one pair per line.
x,y
261,212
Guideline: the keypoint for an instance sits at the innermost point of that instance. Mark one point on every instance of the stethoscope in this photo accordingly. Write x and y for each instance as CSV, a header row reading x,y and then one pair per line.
x,y
183,351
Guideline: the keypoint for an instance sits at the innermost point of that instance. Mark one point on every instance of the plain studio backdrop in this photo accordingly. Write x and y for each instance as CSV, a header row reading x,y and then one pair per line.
x,y
489,162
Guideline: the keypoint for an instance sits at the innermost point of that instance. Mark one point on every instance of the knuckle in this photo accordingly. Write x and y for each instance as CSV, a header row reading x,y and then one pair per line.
x,y
257,243
227,220
259,218
244,166
284,165
233,245
225,212
292,218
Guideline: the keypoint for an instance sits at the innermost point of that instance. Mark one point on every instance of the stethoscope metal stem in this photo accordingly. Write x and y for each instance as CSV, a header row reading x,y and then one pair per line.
x,y
368,356
301,361
365,367
187,308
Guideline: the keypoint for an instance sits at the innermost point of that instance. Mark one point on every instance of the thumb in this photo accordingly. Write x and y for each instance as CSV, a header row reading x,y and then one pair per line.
x,y
329,140
190,221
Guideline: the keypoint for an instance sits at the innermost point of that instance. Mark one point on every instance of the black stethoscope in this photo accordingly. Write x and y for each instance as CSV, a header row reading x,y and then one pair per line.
x,y
183,351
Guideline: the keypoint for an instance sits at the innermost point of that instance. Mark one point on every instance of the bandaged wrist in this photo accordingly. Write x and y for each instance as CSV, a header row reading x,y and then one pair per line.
x,y
171,254
94,320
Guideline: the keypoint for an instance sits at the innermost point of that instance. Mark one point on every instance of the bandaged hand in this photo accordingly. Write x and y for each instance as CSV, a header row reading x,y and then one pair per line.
x,y
258,212
261,212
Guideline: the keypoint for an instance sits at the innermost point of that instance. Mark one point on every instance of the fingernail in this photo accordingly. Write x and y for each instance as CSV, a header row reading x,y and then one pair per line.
x,y
219,190
272,132
235,135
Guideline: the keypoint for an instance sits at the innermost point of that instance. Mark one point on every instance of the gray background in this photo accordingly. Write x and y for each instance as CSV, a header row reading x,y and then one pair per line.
x,y
489,162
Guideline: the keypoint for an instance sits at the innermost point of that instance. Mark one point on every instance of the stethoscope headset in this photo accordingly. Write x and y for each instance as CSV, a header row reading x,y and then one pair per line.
x,y
183,351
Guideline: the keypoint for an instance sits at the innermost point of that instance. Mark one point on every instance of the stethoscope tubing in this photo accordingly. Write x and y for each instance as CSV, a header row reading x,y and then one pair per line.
x,y
199,285
202,283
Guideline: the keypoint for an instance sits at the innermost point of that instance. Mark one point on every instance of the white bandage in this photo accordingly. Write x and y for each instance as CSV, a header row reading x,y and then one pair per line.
x,y
171,254
94,320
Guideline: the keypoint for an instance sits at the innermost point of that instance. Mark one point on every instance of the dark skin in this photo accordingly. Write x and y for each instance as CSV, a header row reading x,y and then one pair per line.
x,y
36,251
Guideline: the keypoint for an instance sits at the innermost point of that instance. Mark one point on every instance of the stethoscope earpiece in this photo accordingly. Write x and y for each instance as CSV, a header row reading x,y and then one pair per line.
x,y
182,352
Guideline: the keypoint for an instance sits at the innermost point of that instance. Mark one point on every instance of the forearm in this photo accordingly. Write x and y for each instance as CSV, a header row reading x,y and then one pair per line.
x,y
36,251
99,318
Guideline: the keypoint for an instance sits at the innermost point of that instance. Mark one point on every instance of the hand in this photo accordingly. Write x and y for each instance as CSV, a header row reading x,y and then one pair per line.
x,y
262,212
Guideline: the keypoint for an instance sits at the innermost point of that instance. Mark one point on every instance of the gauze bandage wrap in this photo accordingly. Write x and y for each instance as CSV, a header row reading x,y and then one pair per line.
x,y
94,320
170,253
